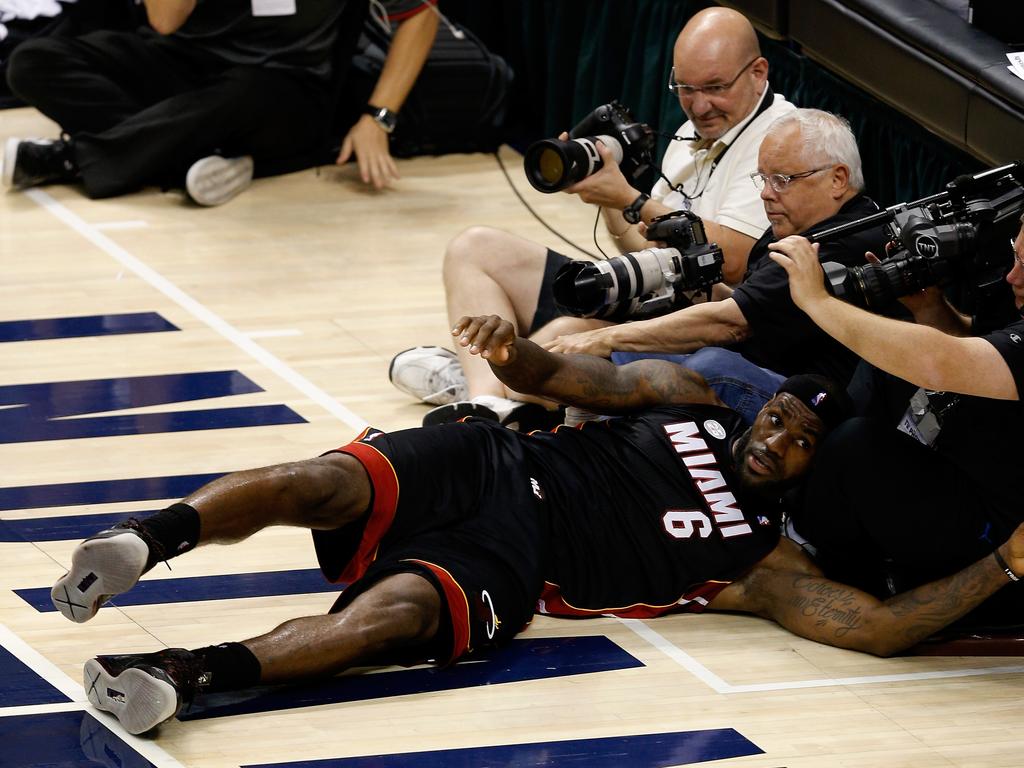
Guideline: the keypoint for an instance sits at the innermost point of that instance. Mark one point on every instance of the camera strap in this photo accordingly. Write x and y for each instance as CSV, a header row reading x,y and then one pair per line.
x,y
767,99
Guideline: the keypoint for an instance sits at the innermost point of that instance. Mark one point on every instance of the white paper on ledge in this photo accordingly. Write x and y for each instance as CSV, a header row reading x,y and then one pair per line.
x,y
1016,63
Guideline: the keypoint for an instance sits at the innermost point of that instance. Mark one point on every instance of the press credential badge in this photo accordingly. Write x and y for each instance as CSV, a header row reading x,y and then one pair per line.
x,y
273,7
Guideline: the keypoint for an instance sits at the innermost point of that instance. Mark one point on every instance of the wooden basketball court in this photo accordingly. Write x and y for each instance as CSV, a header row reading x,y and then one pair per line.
x,y
194,342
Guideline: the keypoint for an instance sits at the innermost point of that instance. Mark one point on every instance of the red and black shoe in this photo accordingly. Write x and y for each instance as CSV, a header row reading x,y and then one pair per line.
x,y
143,690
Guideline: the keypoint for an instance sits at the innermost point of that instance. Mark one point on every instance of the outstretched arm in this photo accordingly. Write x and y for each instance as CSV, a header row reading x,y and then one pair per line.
x,y
580,380
714,323
917,353
406,55
793,593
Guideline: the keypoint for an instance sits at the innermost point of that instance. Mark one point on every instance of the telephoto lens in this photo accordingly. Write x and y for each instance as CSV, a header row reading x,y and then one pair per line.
x,y
551,165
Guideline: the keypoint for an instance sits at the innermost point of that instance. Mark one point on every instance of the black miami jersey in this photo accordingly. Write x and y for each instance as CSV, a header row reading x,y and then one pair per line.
x,y
644,514
635,516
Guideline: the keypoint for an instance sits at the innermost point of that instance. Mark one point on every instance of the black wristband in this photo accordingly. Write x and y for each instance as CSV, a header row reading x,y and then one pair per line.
x,y
1002,564
631,213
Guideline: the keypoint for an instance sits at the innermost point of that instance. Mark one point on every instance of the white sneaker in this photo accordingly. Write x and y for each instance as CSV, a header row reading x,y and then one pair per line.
x,y
214,180
104,565
430,374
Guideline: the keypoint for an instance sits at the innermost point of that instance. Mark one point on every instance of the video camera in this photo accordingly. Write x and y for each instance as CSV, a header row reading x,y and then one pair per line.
x,y
956,237
552,164
644,283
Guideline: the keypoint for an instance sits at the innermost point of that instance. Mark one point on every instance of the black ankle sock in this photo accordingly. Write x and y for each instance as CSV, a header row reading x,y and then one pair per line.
x,y
231,666
175,530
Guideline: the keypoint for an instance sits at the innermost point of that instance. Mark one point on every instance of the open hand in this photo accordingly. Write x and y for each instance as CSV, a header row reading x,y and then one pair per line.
x,y
594,342
489,336
369,143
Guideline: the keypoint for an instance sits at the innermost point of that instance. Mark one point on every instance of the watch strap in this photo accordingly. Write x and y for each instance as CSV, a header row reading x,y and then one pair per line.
x,y
383,116
631,212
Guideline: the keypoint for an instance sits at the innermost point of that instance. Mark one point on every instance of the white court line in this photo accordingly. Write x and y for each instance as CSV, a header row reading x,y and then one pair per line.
x,y
49,672
197,310
41,709
41,665
117,225
719,685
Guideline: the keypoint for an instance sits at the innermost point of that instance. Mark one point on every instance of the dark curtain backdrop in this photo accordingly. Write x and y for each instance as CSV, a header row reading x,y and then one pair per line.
x,y
572,55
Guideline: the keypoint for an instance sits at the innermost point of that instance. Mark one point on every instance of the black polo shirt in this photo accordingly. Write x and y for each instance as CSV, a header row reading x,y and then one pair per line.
x,y
783,338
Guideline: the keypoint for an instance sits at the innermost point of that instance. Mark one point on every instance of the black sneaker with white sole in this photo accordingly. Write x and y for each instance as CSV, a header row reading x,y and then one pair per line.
x,y
143,690
104,565
525,417
35,162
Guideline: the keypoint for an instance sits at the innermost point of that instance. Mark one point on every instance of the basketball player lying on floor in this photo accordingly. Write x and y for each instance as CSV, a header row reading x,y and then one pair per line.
x,y
452,536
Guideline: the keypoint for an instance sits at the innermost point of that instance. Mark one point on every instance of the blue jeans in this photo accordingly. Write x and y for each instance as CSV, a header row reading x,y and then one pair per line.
x,y
739,383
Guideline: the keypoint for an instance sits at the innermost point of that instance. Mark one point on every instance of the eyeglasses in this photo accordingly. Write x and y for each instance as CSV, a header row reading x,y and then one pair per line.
x,y
712,90
1016,258
781,181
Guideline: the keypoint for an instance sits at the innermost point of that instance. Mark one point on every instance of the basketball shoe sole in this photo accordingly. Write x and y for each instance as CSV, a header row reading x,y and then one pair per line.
x,y
101,566
139,697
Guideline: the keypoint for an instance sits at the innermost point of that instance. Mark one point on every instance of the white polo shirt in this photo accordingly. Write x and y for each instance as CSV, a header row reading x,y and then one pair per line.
x,y
724,192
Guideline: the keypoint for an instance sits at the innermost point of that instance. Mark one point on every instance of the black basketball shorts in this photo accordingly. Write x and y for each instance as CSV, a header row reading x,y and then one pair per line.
x,y
454,503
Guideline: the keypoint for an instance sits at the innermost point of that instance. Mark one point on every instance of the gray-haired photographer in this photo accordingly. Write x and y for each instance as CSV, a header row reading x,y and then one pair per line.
x,y
926,478
721,81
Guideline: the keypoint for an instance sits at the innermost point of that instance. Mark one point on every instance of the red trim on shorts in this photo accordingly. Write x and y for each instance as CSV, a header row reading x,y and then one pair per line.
x,y
409,14
695,600
382,513
458,608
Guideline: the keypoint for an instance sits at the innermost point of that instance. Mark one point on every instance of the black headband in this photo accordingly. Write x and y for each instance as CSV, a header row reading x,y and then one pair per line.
x,y
828,402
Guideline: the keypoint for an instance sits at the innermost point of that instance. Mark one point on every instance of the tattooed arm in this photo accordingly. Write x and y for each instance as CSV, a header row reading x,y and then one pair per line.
x,y
580,380
784,587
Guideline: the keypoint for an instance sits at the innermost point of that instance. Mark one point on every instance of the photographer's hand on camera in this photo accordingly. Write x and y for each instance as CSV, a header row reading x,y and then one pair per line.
x,y
799,258
607,186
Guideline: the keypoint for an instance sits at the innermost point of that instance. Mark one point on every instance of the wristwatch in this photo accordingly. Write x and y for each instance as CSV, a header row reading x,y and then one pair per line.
x,y
631,212
383,116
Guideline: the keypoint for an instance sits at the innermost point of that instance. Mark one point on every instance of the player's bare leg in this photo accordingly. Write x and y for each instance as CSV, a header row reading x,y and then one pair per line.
x,y
143,690
322,493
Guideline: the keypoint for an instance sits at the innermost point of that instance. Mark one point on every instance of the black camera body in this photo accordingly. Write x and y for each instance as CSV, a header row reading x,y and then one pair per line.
x,y
644,283
956,238
551,165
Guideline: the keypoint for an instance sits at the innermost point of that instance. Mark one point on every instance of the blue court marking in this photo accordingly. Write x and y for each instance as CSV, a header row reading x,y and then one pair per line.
x,y
69,528
89,325
101,491
22,687
44,406
653,750
201,588
519,660
63,740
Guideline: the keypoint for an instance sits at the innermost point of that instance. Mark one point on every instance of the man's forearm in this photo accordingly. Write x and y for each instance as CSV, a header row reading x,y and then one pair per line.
x,y
718,323
828,612
598,384
916,353
408,51
626,236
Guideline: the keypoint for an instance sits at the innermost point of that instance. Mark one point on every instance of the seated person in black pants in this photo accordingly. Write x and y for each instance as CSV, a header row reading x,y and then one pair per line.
x,y
216,91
